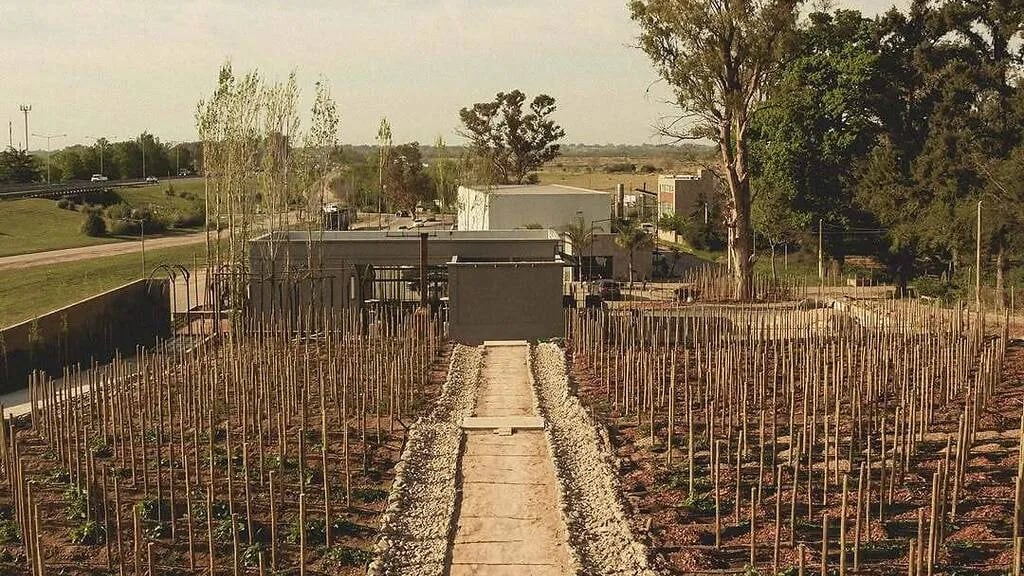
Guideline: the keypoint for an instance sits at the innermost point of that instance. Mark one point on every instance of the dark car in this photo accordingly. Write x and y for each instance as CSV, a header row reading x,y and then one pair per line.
x,y
608,289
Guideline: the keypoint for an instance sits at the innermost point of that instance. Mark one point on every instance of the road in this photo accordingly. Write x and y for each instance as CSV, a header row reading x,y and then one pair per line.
x,y
99,251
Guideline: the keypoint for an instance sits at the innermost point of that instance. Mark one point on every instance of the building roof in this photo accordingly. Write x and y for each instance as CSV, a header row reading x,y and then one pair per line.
x,y
398,235
525,189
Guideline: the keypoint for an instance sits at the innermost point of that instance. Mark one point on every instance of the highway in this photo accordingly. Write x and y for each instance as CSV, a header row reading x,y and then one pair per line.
x,y
38,190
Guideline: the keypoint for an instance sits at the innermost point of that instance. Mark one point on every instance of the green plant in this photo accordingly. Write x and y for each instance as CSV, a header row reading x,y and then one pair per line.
x,y
149,509
100,448
699,503
89,533
251,554
962,545
340,556
76,503
315,532
9,532
370,494
222,529
93,225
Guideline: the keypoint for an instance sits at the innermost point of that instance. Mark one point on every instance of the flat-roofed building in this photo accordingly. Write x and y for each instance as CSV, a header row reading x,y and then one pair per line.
x,y
551,206
680,193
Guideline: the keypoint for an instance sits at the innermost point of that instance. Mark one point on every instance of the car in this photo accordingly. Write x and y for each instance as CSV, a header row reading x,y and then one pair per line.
x,y
608,289
98,178
152,179
184,172
647,227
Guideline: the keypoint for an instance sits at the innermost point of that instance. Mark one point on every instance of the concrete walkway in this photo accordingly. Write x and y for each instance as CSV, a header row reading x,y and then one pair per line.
x,y
508,518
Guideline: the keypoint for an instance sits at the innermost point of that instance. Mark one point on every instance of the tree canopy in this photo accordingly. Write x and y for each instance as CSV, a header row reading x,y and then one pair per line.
x,y
513,142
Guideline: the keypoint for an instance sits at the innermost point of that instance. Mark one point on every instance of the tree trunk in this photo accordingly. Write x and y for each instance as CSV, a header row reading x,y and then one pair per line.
x,y
775,276
734,159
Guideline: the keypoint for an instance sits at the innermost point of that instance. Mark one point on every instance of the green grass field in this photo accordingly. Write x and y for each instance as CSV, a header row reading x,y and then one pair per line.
x,y
29,292
37,225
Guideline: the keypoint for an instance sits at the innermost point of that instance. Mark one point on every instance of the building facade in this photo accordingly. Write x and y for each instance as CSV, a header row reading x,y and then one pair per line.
x,y
680,193
529,206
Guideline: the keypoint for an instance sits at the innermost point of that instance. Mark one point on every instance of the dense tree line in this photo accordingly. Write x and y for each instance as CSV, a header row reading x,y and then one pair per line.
x,y
884,133
889,131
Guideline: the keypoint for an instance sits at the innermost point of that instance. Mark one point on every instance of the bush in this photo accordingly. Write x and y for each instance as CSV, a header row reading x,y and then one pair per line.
x,y
316,532
102,197
9,533
94,225
190,219
648,169
620,167
170,190
124,228
65,204
119,211
76,503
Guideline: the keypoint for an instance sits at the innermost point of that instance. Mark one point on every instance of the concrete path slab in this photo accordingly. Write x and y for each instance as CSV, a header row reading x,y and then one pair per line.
x,y
508,518
494,422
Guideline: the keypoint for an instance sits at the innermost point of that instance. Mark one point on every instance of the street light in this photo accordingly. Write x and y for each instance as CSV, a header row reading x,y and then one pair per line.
x,y
49,151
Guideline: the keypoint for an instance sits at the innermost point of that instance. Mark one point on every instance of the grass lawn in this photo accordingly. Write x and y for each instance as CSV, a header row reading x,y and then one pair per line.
x,y
37,225
29,292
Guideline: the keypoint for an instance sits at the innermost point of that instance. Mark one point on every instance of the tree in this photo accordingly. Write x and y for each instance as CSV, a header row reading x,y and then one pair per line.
x,y
383,156
720,58
514,143
17,167
818,124
633,238
581,236
408,182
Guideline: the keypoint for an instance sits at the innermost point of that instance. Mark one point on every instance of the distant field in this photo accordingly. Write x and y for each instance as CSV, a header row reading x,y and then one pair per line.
x,y
593,171
29,292
37,225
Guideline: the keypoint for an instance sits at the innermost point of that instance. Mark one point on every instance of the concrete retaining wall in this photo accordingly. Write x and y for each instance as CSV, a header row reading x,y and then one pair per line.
x,y
94,329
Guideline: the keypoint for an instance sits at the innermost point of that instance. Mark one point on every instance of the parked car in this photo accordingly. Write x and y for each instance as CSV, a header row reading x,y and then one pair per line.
x,y
99,178
608,289
152,179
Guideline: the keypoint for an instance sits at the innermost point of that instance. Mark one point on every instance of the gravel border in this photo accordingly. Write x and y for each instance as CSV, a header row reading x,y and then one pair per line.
x,y
594,513
417,521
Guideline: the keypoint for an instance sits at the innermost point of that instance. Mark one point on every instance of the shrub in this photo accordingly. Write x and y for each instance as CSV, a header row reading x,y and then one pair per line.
x,y
222,530
124,228
93,225
119,211
620,167
170,190
64,204
251,554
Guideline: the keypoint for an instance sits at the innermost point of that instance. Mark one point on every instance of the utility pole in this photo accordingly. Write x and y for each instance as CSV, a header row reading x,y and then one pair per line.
x,y
10,133
977,265
49,151
142,144
25,109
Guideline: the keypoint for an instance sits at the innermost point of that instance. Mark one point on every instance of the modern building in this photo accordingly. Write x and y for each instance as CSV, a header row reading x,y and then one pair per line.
x,y
550,206
680,193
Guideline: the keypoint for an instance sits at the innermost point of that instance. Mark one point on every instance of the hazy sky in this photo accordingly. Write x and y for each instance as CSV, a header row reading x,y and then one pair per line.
x,y
117,67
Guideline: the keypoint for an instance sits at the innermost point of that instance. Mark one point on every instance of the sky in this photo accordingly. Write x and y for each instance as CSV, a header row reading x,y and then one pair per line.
x,y
116,68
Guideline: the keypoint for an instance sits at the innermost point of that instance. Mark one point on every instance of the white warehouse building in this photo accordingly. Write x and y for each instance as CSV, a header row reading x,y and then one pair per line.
x,y
512,207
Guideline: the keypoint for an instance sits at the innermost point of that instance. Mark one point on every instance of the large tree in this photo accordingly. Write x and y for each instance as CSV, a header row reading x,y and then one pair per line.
x,y
720,57
515,143
819,122
17,167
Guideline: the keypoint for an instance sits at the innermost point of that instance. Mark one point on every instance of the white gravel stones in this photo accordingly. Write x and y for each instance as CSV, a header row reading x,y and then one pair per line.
x,y
417,522
599,531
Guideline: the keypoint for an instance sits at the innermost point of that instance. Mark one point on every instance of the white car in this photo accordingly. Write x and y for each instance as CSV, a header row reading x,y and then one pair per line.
x,y
99,178
151,180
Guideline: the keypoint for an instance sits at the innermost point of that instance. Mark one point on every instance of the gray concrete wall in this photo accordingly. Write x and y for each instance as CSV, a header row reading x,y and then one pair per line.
x,y
604,245
521,301
94,329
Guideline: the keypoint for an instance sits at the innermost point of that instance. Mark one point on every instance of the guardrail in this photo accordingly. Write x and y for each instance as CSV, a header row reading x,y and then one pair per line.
x,y
19,191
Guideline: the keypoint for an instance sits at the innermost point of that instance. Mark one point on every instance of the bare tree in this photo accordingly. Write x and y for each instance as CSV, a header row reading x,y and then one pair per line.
x,y
720,57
